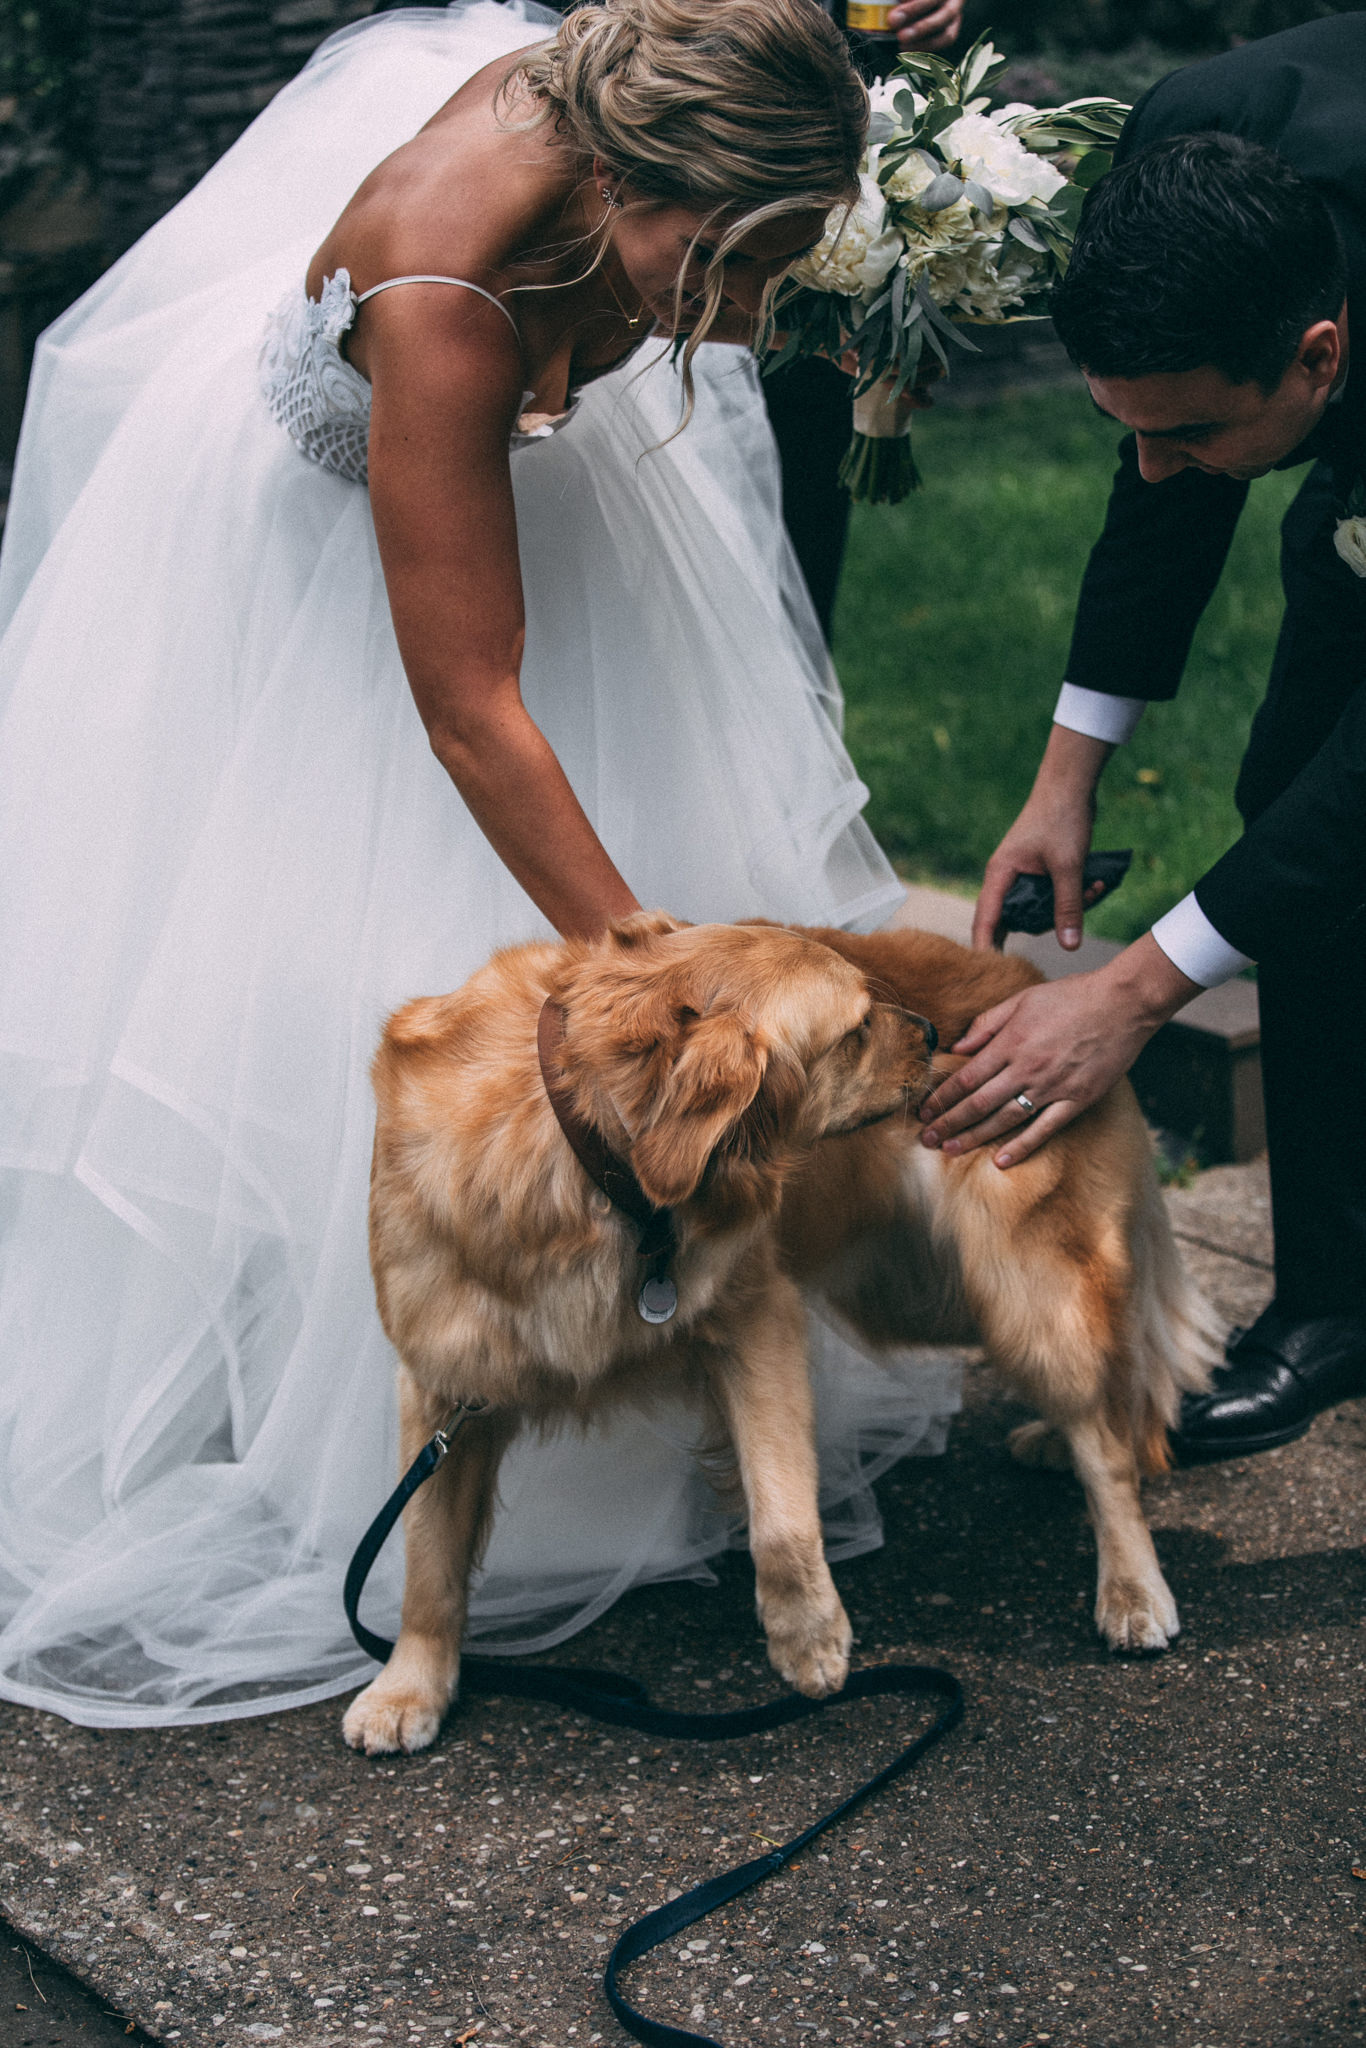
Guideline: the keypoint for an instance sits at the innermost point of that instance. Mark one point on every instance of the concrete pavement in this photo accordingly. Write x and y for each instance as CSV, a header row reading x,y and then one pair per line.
x,y
1111,1852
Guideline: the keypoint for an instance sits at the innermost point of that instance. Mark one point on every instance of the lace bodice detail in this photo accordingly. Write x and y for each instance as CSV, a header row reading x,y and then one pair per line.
x,y
321,400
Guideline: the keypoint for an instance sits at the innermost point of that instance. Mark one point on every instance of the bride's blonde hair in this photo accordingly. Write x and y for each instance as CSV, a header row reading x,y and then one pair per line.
x,y
745,111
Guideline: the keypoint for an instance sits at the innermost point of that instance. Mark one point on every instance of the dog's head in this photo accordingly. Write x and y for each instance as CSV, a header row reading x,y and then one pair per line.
x,y
725,1051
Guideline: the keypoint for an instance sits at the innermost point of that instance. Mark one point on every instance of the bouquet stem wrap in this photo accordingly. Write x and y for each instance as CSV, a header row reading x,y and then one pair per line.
x,y
879,467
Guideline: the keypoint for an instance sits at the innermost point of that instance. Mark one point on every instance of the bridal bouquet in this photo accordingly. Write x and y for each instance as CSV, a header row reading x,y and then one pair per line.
x,y
963,216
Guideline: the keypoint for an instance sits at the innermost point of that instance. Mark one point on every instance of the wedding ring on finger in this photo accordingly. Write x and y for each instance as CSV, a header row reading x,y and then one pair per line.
x,y
1026,1105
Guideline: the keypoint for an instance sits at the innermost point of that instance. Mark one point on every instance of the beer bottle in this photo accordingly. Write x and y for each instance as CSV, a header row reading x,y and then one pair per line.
x,y
873,44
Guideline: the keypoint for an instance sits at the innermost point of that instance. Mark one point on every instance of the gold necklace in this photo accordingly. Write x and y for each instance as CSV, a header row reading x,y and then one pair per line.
x,y
614,206
632,320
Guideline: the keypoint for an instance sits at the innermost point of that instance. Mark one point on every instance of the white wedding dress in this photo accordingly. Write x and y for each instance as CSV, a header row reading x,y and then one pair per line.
x,y
227,852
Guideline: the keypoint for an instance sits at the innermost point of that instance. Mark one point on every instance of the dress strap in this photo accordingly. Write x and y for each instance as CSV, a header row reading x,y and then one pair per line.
x,y
424,278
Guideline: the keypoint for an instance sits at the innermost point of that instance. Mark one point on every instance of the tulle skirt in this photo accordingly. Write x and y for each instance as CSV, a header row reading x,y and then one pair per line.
x,y
227,852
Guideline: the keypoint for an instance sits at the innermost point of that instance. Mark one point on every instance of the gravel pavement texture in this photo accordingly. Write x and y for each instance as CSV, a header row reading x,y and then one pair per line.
x,y
1109,1851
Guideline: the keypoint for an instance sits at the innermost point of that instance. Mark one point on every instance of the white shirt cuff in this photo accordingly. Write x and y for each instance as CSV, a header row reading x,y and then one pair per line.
x,y
1099,715
1191,943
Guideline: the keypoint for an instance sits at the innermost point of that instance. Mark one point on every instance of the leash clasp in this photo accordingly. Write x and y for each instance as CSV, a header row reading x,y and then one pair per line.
x,y
441,1440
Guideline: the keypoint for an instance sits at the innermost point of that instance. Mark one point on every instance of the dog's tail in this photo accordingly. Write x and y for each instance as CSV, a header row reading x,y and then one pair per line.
x,y
1176,1338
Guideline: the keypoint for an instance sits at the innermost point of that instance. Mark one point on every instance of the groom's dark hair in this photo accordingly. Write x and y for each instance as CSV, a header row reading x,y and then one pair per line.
x,y
1203,249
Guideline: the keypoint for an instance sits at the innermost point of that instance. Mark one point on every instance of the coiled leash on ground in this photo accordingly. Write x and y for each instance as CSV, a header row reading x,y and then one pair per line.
x,y
607,1696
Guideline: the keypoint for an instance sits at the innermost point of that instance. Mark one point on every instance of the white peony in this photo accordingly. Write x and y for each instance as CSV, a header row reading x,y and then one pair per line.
x,y
994,157
987,287
945,272
909,180
1349,538
941,246
885,91
856,251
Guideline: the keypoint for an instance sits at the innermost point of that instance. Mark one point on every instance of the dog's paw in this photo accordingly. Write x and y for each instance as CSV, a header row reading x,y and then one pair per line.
x,y
810,1648
1040,1446
1133,1616
389,1716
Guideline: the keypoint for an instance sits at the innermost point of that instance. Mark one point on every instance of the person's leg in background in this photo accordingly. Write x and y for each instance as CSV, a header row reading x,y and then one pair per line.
x,y
811,411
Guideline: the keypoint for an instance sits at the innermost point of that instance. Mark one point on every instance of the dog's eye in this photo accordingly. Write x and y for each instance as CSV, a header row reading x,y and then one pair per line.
x,y
864,1031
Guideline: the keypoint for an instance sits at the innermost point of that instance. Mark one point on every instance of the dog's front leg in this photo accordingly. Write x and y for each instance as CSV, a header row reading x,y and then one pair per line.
x,y
1134,1606
763,1385
445,1525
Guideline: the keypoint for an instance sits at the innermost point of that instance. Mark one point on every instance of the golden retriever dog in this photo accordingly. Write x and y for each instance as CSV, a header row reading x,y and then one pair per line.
x,y
711,1060
1063,1267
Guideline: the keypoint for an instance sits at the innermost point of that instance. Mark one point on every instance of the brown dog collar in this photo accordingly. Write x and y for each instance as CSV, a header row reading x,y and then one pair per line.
x,y
611,1174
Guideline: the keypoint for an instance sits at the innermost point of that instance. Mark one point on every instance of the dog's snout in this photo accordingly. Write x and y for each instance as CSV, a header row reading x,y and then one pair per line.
x,y
931,1035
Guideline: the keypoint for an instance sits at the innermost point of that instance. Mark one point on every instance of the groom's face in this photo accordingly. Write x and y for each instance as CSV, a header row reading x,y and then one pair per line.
x,y
1199,419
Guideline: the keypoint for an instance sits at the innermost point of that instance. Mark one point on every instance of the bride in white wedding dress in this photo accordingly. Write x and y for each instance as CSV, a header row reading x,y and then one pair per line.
x,y
279,753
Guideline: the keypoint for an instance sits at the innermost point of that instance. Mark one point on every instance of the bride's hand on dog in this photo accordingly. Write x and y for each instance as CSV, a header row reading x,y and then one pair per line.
x,y
1060,1046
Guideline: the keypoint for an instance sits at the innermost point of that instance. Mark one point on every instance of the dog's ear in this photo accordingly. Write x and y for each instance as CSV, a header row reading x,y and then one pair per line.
x,y
714,1077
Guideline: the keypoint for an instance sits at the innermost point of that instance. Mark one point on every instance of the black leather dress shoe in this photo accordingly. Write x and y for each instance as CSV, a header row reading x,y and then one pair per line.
x,y
1277,1377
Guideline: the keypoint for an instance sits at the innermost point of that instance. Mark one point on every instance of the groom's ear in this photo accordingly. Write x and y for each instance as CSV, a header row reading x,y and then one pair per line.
x,y
1319,355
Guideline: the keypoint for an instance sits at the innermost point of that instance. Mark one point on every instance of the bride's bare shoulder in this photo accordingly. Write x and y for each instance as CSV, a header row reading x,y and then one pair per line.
x,y
458,197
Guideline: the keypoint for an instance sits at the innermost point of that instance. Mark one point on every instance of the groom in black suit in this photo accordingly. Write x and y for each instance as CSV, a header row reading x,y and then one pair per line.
x,y
1215,300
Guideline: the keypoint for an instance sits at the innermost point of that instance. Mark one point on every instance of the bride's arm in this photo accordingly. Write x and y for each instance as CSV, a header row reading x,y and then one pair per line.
x,y
447,383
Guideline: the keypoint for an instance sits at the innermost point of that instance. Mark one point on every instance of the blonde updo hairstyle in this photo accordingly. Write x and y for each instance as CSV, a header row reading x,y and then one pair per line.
x,y
744,111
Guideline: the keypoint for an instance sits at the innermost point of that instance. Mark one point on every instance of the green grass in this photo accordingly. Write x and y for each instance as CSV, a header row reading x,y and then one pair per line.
x,y
952,634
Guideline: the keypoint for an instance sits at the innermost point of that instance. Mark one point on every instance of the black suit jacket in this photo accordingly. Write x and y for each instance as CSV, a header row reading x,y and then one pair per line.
x,y
1299,872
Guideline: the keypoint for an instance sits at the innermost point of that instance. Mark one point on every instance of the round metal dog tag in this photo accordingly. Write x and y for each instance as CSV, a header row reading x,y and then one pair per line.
x,y
657,1301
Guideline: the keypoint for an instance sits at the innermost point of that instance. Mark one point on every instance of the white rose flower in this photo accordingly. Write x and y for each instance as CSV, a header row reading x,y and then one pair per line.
x,y
1349,538
856,251
997,159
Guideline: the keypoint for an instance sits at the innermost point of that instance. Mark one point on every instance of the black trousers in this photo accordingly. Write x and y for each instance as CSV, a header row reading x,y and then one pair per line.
x,y
809,408
1313,996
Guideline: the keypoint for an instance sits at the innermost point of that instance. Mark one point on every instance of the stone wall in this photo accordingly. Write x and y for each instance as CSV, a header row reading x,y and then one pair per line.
x,y
176,82
173,84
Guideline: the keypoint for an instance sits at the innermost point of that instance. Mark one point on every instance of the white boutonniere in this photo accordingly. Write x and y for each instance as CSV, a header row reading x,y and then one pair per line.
x,y
1349,535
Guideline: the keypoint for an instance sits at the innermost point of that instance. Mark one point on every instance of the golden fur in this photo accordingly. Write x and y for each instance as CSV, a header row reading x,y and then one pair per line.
x,y
713,1058
1063,1267
760,1080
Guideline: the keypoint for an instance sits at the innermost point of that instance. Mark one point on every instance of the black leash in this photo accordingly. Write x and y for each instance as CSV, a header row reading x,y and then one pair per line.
x,y
624,1702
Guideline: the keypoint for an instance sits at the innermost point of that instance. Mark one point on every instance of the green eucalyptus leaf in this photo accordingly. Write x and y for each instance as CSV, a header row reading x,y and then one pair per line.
x,y
940,192
1025,232
937,120
977,65
1092,168
937,345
